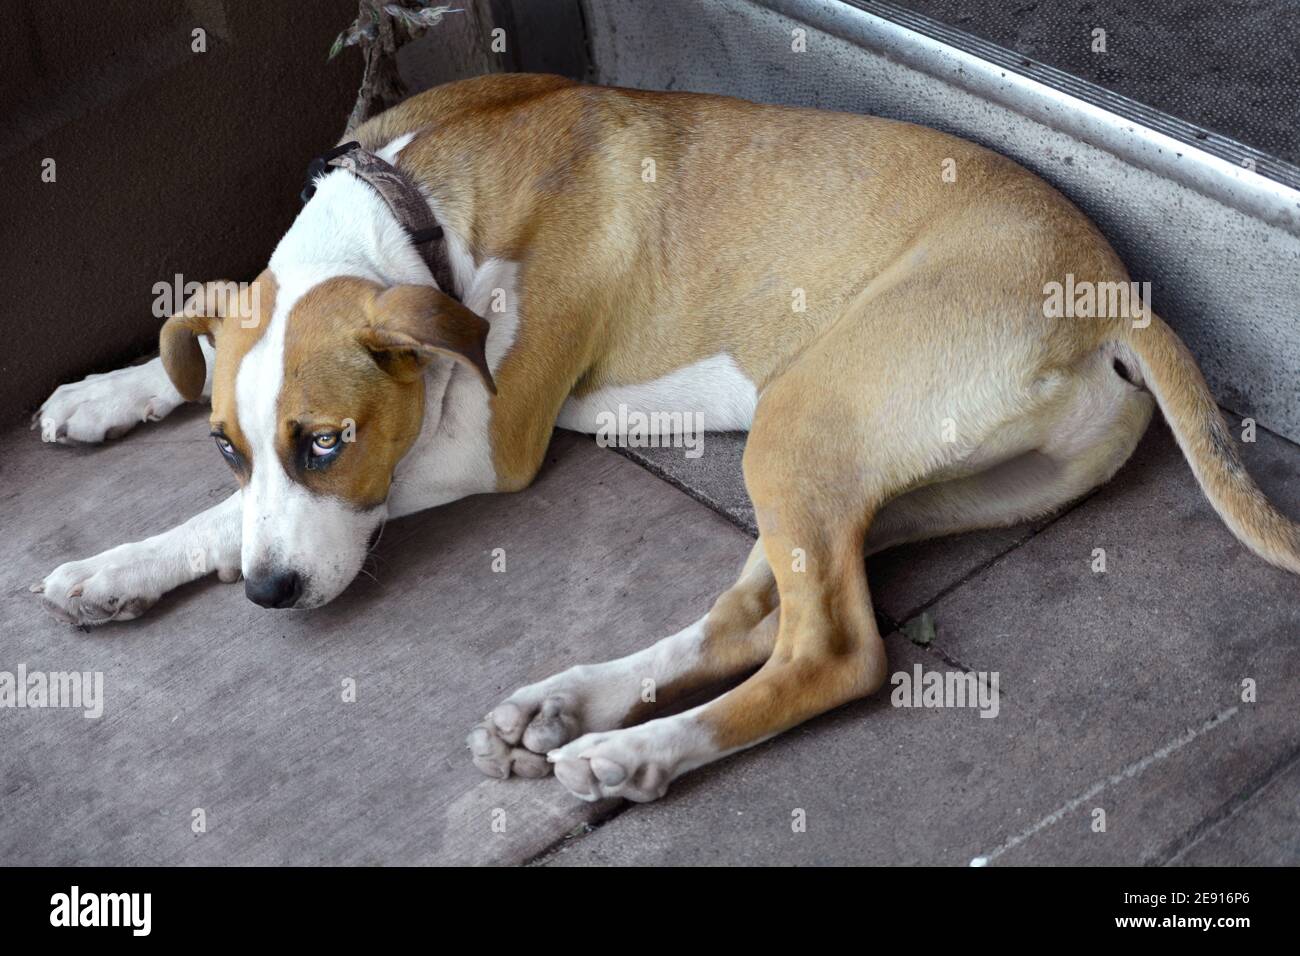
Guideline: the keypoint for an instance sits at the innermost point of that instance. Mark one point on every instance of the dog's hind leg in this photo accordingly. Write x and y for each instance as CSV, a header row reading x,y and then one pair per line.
x,y
824,453
826,647
735,636
814,502
1077,443
739,633
107,406
836,436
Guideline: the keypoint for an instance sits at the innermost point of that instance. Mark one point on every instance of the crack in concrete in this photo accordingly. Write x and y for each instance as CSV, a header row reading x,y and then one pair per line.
x,y
979,569
1128,773
597,820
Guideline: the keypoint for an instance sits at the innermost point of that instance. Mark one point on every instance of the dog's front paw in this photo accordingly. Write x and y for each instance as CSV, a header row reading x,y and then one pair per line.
x,y
117,585
516,736
107,406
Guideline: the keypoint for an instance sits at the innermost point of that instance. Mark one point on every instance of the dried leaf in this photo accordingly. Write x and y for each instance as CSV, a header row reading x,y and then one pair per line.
x,y
920,630
337,46
414,22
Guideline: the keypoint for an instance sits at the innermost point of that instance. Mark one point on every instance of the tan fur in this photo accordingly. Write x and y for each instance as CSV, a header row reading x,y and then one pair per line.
x,y
412,324
749,203
234,339
924,304
1194,417
354,357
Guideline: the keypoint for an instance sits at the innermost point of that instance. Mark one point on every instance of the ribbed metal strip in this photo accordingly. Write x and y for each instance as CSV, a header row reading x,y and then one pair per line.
x,y
1215,144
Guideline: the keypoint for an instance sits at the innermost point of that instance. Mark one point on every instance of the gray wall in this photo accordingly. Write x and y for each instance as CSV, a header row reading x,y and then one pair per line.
x,y
173,161
167,161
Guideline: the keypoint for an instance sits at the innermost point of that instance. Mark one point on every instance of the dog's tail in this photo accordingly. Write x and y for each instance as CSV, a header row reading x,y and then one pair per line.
x,y
1171,374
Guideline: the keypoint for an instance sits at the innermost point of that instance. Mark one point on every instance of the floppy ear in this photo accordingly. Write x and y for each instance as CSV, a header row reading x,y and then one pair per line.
x,y
178,343
410,324
181,356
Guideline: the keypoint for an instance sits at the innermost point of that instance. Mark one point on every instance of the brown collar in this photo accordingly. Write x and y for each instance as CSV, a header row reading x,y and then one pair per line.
x,y
401,195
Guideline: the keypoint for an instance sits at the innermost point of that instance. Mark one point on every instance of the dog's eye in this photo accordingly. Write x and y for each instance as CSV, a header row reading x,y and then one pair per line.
x,y
224,445
324,444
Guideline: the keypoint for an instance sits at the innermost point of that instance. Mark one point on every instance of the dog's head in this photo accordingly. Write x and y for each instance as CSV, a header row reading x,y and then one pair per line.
x,y
315,400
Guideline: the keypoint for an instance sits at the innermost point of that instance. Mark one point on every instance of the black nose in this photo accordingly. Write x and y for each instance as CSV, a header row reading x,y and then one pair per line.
x,y
274,589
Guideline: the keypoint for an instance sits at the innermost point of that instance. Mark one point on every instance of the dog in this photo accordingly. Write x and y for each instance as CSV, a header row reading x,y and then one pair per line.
x,y
604,247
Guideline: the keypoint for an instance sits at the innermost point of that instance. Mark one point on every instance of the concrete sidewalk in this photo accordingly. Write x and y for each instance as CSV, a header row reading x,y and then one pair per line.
x,y
213,703
1119,691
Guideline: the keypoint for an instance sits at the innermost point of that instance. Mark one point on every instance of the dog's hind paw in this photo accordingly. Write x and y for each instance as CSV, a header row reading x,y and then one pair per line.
x,y
118,585
107,406
637,764
516,736
496,758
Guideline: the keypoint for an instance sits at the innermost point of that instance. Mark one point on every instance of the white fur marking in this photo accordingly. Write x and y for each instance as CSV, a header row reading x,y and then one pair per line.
x,y
715,387
346,229
452,457
390,152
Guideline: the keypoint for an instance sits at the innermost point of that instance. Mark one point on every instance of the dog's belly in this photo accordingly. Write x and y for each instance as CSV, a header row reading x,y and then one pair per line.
x,y
714,389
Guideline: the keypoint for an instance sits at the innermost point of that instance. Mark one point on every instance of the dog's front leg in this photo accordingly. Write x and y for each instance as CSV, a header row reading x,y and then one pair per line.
x,y
121,583
107,406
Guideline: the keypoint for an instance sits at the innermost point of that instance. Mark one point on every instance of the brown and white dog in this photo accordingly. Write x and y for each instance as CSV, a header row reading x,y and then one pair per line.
x,y
923,391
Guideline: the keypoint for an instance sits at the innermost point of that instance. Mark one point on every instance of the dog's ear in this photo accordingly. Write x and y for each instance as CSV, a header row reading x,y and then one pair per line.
x,y
410,324
178,342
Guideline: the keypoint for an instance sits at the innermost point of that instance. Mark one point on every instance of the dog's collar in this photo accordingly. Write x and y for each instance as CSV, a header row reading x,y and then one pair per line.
x,y
400,194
